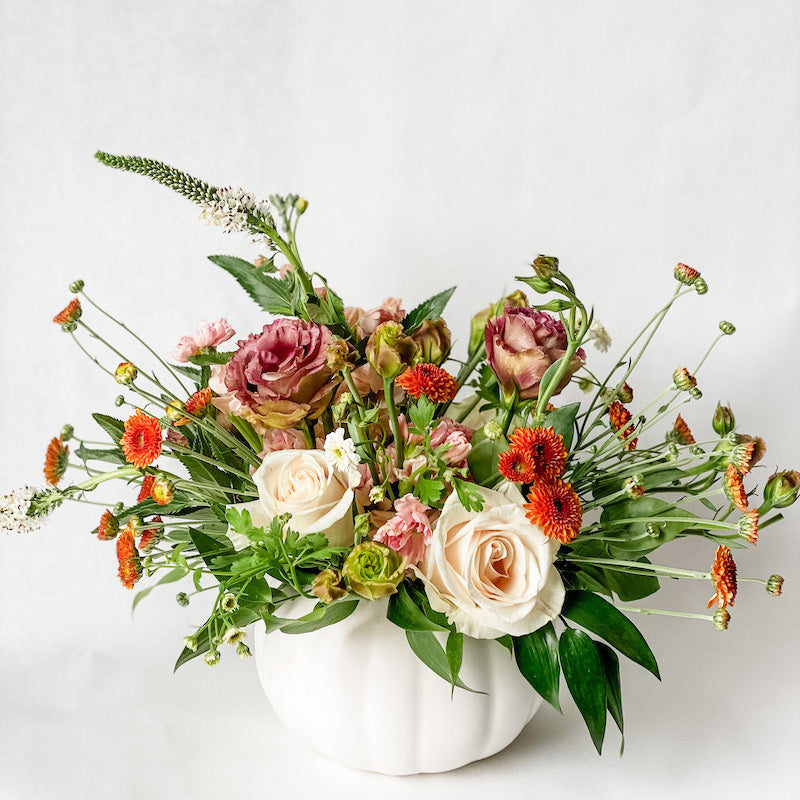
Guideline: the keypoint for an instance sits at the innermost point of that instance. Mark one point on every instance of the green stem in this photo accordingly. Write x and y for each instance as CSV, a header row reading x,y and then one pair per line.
x,y
399,443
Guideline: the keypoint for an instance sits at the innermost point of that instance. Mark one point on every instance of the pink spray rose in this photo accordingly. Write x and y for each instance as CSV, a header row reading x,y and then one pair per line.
x,y
520,346
281,376
209,334
365,322
409,531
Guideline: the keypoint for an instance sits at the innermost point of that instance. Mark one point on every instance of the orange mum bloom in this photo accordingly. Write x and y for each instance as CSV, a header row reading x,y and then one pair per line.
x,y
516,466
141,441
684,435
198,402
147,488
735,487
434,382
69,313
130,565
686,274
556,509
55,461
108,527
545,449
619,417
723,573
742,456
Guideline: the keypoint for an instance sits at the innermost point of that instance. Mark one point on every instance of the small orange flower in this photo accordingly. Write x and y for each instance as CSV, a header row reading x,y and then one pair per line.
x,y
619,417
108,527
70,313
686,274
742,456
434,382
198,402
723,573
748,526
130,565
544,447
684,435
735,487
141,441
516,466
147,488
556,509
55,460
151,536
684,380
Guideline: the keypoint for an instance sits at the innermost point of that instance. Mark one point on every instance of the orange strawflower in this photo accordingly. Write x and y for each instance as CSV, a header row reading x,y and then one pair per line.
x,y
108,527
434,382
55,461
141,441
723,573
151,535
735,487
130,565
684,435
147,488
516,466
545,449
748,526
556,509
619,417
69,313
198,402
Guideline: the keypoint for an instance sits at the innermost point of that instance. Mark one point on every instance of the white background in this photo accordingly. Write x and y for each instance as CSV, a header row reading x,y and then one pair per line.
x,y
437,143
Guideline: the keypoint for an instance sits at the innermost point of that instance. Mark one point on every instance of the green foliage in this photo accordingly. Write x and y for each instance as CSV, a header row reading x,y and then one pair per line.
x,y
248,432
482,459
468,495
421,415
537,658
610,663
114,456
405,613
430,652
562,421
626,585
271,294
429,490
205,359
432,308
324,614
112,426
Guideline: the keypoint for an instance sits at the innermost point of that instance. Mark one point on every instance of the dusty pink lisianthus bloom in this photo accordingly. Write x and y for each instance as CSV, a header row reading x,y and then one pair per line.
x,y
281,376
408,531
521,344
209,334
365,322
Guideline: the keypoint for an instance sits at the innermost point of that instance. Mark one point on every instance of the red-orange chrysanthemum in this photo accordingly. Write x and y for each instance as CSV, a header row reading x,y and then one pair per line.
x,y
723,573
55,461
619,417
130,565
198,402
147,488
141,441
556,509
686,274
69,313
684,435
742,456
108,527
516,466
544,447
735,486
434,382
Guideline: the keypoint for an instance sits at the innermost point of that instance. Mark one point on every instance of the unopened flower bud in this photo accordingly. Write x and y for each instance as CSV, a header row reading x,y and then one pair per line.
x,y
340,355
517,299
433,341
723,421
135,523
584,384
259,261
696,450
546,267
782,488
229,602
728,328
119,400
68,317
211,658
69,327
695,393
300,205
174,412
243,651
759,447
625,393
652,530
774,585
67,433
190,643
672,452
685,274
118,508
700,286
493,430
377,494
328,586
163,490
389,351
721,619
373,570
555,305
76,286
182,599
634,486
683,379
125,373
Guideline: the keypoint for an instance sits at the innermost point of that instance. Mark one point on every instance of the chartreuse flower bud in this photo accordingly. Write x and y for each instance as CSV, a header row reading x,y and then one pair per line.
x,y
211,658
373,570
782,488
76,286
721,619
433,341
493,430
700,286
389,351
545,267
723,421
329,586
728,328
190,643
182,599
774,585
67,433
300,205
163,490
243,651
126,373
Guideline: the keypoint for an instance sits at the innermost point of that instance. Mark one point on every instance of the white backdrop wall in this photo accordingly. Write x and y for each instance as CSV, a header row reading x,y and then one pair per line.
x,y
438,143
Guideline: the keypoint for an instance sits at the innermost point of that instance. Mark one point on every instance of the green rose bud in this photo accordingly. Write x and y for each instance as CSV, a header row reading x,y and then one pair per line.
x,y
329,586
373,570
782,488
723,422
389,351
433,341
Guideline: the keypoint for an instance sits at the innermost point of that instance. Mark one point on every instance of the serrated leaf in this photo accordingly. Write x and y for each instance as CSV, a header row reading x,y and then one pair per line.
x,y
404,612
271,294
421,414
537,658
468,495
322,616
115,456
190,372
597,615
586,680
429,490
112,426
430,652
432,308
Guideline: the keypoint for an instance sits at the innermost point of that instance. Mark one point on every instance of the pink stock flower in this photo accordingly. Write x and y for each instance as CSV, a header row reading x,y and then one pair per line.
x,y
520,346
209,334
409,531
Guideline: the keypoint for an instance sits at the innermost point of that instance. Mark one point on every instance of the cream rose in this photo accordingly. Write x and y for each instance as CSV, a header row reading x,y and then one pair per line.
x,y
302,483
491,572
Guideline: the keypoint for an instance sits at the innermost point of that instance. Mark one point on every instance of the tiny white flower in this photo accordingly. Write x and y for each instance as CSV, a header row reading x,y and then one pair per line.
x,y
229,602
190,643
231,209
600,336
234,635
17,514
376,494
341,453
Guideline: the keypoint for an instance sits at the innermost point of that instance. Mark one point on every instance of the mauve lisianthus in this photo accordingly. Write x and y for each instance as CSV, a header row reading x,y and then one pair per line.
x,y
408,532
209,334
281,376
521,344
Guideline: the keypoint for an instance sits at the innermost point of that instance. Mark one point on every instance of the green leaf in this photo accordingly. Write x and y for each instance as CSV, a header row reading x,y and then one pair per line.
x,y
613,685
322,616
468,495
430,652
628,586
203,359
190,372
586,680
115,456
272,294
421,414
429,490
248,431
210,548
404,613
113,427
537,658
454,649
549,376
482,458
432,308
642,509
507,642
597,615
562,421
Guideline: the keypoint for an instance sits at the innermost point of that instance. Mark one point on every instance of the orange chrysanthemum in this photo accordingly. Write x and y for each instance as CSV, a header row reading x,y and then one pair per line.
x,y
198,402
683,434
151,535
686,274
147,488
130,565
723,573
735,487
556,509
141,441
748,526
108,527
516,466
69,313
742,456
545,449
434,382
55,461
619,417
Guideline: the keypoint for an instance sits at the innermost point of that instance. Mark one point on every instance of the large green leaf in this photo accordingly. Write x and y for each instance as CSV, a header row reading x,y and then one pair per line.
x,y
597,615
585,677
113,456
113,427
210,548
272,294
537,658
430,652
322,616
613,686
432,308
562,421
454,649
634,534
404,612
482,458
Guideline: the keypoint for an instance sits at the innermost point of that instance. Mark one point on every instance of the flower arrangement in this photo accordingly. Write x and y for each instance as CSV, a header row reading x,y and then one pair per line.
x,y
344,455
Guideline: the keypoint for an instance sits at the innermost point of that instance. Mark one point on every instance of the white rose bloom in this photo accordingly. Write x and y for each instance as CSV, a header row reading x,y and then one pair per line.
x,y
491,572
302,483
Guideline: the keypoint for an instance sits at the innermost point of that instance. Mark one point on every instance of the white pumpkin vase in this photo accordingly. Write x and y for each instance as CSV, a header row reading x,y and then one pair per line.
x,y
355,692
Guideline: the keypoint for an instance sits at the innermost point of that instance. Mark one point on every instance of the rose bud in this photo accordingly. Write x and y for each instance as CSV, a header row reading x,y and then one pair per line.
x,y
521,345
390,351
782,488
433,341
373,570
723,422
329,586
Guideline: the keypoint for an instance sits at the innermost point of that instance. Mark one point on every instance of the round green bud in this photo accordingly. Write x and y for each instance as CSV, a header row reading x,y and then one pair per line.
x,y
723,421
182,599
721,619
118,509
546,267
782,488
695,393
300,205
774,585
728,328
211,658
653,530
67,432
243,651
119,400
696,450
373,570
69,327
672,452
493,430
390,351
700,286
76,286
190,643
